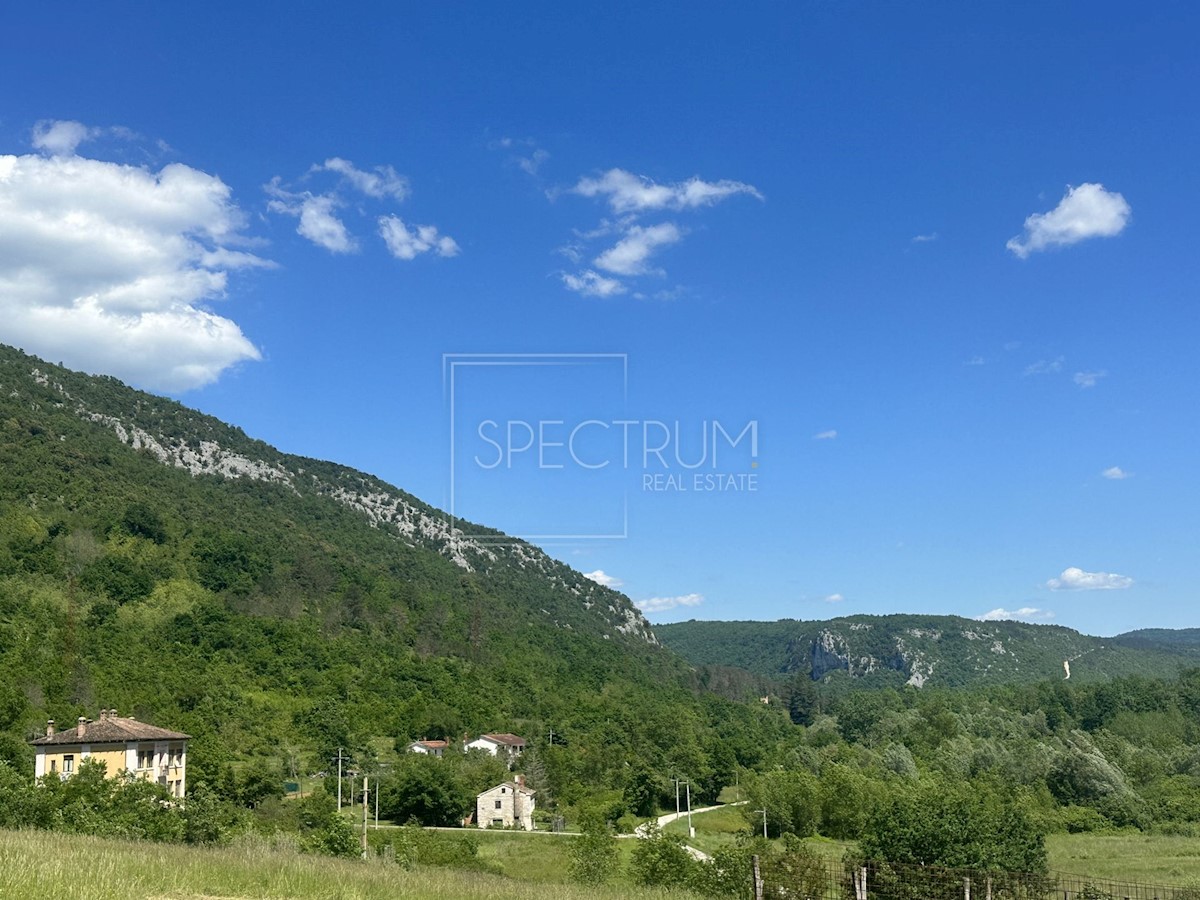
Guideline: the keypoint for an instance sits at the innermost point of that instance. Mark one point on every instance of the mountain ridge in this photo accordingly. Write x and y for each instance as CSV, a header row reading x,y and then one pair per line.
x,y
916,650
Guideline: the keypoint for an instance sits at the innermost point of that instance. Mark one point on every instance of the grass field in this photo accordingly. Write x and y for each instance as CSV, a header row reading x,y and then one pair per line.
x,y
1157,859
73,867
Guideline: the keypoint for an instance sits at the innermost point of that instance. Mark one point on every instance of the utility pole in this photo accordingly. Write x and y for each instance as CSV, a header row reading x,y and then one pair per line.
x,y
764,815
551,737
366,806
376,802
339,762
677,783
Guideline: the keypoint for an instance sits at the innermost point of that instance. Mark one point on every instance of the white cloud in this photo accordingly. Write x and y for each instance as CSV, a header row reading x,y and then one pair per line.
x,y
60,137
626,192
318,222
1073,579
825,435
1026,613
975,361
833,598
383,182
661,604
531,163
925,238
1088,379
321,223
1045,366
107,267
603,578
405,243
593,284
629,255
1116,473
1084,212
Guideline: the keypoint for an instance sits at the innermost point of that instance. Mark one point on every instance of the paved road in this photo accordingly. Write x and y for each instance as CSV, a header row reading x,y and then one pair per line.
x,y
665,820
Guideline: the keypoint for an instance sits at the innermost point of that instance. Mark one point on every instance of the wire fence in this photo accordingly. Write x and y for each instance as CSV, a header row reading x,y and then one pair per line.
x,y
833,880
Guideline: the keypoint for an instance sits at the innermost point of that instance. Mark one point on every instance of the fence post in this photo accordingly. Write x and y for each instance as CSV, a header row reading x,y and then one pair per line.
x,y
967,888
860,884
989,888
758,882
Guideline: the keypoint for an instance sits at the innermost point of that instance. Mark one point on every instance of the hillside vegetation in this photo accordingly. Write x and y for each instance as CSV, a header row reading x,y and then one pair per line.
x,y
156,560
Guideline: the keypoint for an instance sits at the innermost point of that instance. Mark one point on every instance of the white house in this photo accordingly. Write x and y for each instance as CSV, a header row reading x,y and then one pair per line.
x,y
506,745
430,748
507,805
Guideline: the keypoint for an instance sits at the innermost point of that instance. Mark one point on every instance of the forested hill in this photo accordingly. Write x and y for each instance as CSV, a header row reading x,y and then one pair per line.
x,y
944,651
157,560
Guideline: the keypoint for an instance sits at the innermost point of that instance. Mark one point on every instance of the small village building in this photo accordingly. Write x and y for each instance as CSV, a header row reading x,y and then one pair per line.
x,y
507,805
122,743
506,745
430,748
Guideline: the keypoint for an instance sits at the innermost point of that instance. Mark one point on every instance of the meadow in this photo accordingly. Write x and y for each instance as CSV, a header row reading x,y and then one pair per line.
x,y
75,867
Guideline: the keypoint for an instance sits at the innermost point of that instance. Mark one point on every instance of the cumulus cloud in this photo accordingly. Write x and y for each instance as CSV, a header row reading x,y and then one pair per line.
x,y
626,192
321,223
1073,579
925,238
603,578
1116,473
593,284
833,598
661,604
630,254
318,221
631,197
1088,379
825,435
59,137
409,243
1084,212
1025,613
109,267
382,182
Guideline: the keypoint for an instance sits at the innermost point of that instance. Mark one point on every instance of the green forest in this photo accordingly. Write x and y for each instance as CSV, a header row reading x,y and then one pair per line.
x,y
276,624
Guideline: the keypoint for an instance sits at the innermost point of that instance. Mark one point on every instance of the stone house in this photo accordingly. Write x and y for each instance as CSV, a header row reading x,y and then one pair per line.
x,y
507,805
506,745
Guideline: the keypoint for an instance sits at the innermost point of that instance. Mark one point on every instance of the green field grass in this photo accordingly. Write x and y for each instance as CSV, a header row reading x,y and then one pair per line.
x,y
1157,859
74,867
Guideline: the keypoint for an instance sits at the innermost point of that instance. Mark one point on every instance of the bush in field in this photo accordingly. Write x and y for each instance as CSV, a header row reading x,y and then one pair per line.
x,y
660,860
968,825
594,856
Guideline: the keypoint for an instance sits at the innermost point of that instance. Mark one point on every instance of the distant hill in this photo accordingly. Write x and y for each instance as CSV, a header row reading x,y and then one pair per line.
x,y
945,651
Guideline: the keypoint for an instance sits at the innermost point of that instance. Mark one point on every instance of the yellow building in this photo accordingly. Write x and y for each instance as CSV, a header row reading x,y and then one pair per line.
x,y
123,744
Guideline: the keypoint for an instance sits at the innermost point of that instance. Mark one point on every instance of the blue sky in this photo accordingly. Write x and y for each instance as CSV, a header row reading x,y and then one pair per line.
x,y
940,256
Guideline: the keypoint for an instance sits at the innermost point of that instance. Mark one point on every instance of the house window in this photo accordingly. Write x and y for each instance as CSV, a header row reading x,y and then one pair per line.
x,y
53,766
498,822
145,759
498,804
68,764
176,757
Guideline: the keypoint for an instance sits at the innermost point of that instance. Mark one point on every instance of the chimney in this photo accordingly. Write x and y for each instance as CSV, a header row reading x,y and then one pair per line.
x,y
49,728
521,781
82,729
